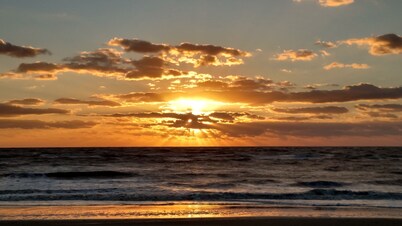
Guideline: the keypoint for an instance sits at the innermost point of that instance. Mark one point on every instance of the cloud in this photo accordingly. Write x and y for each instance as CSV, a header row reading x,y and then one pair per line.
x,y
312,129
38,124
102,62
380,45
188,120
334,65
196,54
382,115
335,3
108,62
330,3
139,46
296,55
241,83
209,50
326,44
139,97
316,86
380,107
27,101
87,102
303,118
349,93
8,110
254,97
313,110
231,116
151,67
9,49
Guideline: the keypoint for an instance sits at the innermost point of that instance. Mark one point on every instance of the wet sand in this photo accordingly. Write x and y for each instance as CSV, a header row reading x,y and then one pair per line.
x,y
254,221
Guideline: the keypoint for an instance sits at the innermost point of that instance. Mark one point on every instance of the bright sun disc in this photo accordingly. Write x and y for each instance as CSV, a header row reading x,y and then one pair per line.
x,y
195,106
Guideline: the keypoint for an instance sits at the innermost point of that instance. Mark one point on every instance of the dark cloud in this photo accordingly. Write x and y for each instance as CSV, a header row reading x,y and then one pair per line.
x,y
380,107
304,118
139,46
27,101
349,93
192,121
42,67
381,115
8,110
110,62
312,129
213,85
293,126
243,83
9,49
252,84
102,62
87,102
232,116
38,124
209,50
313,110
196,54
141,97
188,120
316,86
380,45
151,67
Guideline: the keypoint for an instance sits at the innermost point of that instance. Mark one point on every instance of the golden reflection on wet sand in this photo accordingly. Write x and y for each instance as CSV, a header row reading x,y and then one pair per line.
x,y
177,210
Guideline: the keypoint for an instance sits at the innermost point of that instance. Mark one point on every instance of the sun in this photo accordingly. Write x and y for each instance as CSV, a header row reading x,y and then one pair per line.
x,y
195,106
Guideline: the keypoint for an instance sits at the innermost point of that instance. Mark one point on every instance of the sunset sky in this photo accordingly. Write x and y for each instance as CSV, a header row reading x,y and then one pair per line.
x,y
191,73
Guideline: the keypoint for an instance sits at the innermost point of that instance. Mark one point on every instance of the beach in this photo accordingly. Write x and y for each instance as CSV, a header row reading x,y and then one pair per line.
x,y
121,184
277,221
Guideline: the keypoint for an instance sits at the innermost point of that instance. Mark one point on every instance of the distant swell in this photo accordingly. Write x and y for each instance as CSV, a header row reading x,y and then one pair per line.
x,y
73,175
315,194
320,184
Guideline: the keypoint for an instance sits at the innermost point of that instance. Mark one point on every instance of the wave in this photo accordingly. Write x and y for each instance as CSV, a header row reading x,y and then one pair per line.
x,y
320,184
397,182
74,175
315,194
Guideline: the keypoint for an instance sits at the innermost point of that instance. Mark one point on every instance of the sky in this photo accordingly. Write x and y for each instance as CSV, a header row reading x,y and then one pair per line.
x,y
200,73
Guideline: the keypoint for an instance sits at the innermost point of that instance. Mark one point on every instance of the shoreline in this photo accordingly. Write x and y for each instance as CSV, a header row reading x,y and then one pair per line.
x,y
234,221
186,211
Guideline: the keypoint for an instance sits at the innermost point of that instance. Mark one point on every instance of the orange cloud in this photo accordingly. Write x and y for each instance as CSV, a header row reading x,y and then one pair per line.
x,y
334,65
335,3
296,55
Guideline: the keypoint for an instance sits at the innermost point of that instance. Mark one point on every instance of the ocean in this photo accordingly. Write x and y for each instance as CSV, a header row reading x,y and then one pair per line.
x,y
253,177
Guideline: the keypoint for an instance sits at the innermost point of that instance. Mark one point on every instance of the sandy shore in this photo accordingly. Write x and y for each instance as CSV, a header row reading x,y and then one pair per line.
x,y
275,221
